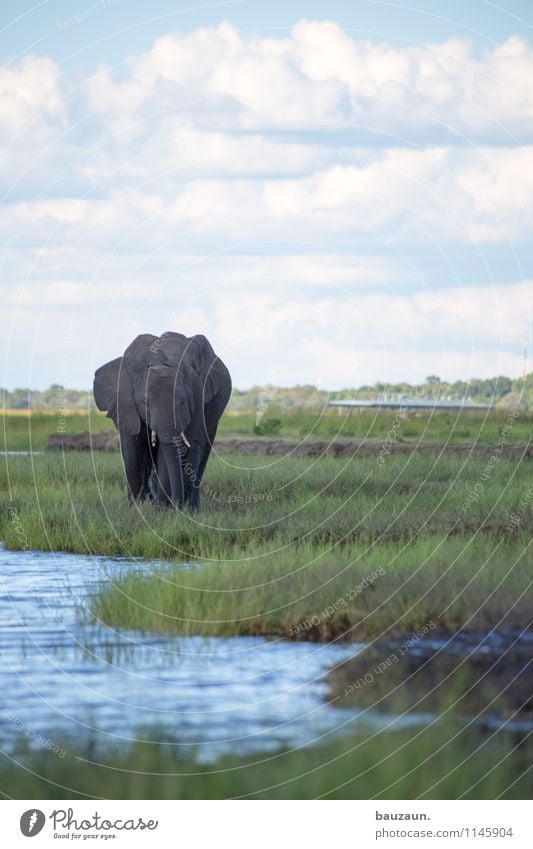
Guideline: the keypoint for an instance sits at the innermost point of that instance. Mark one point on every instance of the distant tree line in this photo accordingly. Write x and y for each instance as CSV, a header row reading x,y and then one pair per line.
x,y
56,398
501,391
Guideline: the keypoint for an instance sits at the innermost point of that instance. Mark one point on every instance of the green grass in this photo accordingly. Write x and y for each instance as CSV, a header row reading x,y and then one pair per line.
x,y
284,547
355,593
24,432
442,761
20,431
317,530
77,502
452,427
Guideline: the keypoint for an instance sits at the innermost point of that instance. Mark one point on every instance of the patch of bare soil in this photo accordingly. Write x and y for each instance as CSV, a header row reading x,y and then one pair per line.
x,y
106,441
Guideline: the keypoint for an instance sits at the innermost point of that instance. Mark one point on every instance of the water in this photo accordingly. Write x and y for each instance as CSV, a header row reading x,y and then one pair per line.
x,y
65,678
20,453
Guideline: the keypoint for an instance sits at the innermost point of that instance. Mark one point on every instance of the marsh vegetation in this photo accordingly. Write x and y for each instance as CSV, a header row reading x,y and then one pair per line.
x,y
370,548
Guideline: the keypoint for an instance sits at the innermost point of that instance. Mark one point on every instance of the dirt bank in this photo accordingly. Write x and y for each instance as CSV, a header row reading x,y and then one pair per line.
x,y
108,441
482,675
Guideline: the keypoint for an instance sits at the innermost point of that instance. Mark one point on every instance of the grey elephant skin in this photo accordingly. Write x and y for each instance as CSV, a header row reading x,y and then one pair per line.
x,y
166,395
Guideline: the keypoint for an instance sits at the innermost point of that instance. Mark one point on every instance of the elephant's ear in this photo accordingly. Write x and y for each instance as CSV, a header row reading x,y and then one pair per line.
x,y
206,365
196,405
188,399
113,393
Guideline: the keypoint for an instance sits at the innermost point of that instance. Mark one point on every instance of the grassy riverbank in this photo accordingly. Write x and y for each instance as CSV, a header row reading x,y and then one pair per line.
x,y
301,548
357,592
441,761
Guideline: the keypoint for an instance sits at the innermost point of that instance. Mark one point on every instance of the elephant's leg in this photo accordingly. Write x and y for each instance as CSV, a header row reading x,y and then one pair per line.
x,y
147,463
134,465
203,462
212,414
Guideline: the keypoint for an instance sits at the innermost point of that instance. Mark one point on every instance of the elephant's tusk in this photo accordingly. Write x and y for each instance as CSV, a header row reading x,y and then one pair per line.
x,y
154,439
186,441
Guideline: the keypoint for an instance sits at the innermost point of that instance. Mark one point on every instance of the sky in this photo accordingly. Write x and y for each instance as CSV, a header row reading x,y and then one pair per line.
x,y
334,193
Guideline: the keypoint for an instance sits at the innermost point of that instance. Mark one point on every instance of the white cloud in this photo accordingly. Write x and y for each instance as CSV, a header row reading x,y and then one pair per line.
x,y
481,195
441,194
31,93
276,193
320,73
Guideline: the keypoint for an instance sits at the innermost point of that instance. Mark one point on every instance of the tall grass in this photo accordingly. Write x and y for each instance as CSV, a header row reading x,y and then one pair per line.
x,y
443,761
286,539
358,592
77,502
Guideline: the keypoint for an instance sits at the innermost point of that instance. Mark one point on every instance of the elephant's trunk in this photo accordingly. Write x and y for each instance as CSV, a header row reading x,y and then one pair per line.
x,y
172,455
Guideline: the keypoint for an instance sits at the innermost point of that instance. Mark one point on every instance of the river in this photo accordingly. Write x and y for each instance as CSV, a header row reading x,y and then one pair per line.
x,y
65,677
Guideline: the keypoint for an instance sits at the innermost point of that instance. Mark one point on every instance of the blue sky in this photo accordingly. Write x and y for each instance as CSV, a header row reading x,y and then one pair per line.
x,y
334,193
107,30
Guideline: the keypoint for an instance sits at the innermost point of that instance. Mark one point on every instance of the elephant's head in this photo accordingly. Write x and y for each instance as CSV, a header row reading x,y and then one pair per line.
x,y
165,396
199,354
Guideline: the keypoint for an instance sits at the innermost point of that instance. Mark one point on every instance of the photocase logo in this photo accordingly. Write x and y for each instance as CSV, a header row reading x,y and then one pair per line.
x,y
32,822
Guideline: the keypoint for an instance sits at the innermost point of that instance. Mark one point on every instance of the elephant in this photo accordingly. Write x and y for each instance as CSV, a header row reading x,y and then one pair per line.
x,y
166,395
